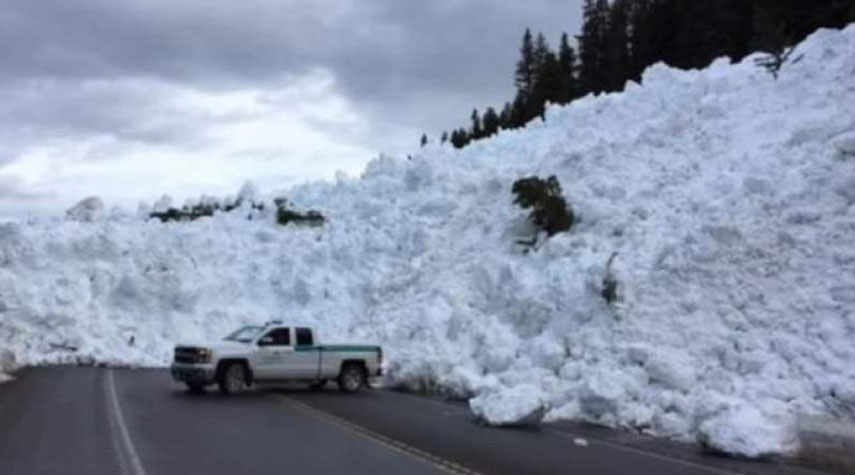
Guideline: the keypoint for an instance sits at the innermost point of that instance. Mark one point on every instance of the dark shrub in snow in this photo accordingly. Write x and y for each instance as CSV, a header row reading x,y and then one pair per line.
x,y
285,215
192,213
549,209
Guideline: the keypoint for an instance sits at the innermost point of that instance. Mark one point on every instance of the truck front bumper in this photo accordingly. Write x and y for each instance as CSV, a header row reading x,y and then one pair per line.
x,y
193,373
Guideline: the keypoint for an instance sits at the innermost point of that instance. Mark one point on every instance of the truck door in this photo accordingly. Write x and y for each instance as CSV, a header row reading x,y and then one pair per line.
x,y
307,356
274,358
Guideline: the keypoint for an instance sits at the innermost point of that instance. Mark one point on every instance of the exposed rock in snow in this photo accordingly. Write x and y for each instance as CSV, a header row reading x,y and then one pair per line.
x,y
86,210
723,191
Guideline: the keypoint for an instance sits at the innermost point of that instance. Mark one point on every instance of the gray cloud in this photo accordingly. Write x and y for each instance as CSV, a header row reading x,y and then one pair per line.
x,y
12,187
381,49
112,69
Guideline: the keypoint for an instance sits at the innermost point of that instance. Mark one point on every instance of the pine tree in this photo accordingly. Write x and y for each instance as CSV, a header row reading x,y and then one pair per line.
x,y
641,37
548,85
491,122
456,140
476,132
524,76
592,45
518,111
459,138
617,67
541,51
546,80
444,138
424,140
567,71
506,116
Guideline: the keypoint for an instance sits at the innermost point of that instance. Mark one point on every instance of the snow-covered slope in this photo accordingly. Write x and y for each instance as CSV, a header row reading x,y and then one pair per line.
x,y
727,195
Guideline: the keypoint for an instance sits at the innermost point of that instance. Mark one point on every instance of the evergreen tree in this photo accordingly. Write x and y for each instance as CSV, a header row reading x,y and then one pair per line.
x,y
617,66
541,52
491,122
518,111
459,138
526,66
476,131
567,71
548,85
456,141
506,116
444,137
591,45
641,37
424,140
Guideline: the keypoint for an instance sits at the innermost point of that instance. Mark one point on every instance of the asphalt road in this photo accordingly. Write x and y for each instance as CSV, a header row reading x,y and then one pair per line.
x,y
138,422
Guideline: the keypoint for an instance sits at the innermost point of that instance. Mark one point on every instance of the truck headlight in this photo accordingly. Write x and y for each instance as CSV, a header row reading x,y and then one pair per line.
x,y
203,355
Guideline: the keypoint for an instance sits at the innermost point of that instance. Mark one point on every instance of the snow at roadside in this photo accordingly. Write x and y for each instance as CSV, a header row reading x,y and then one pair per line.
x,y
727,195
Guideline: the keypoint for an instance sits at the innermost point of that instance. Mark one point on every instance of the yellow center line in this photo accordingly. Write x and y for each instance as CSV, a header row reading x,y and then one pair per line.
x,y
436,461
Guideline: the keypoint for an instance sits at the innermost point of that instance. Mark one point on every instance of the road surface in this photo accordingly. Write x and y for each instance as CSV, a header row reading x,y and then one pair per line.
x,y
91,421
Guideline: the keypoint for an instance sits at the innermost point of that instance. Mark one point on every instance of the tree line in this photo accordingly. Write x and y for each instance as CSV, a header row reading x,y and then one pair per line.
x,y
620,38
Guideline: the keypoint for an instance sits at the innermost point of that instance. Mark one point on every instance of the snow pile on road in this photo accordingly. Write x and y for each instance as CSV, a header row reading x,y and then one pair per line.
x,y
727,195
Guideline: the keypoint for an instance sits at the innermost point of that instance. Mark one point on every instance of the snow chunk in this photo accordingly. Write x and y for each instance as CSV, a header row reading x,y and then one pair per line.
x,y
672,369
522,405
745,430
7,363
845,143
86,210
248,193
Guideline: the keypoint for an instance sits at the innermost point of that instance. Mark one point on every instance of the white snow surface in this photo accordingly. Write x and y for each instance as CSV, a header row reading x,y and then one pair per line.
x,y
727,195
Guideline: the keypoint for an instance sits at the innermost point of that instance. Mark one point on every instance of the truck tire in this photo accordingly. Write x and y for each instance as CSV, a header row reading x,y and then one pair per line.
x,y
352,378
232,379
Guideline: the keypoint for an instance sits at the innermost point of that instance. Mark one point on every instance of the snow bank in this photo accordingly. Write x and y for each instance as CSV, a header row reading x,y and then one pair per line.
x,y
727,194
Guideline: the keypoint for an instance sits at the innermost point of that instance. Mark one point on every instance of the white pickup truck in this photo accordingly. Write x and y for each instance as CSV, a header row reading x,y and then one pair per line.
x,y
274,353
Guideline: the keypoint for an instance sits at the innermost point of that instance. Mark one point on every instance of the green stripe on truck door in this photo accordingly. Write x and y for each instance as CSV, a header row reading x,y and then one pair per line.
x,y
341,348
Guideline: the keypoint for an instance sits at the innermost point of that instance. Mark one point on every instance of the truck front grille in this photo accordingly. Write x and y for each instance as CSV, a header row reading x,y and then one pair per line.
x,y
187,355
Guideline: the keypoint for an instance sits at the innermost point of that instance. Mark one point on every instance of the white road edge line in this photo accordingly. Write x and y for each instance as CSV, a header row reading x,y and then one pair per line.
x,y
119,417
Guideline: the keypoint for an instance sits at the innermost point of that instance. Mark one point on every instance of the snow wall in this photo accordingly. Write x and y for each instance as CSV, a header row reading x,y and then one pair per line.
x,y
726,194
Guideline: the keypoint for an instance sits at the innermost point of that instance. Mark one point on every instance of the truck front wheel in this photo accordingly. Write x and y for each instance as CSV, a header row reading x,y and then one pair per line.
x,y
232,379
351,378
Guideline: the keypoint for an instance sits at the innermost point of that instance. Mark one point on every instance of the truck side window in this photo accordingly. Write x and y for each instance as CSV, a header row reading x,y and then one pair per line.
x,y
277,337
304,337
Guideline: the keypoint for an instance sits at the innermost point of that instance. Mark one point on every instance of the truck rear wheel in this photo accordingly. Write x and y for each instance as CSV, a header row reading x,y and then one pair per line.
x,y
232,379
352,378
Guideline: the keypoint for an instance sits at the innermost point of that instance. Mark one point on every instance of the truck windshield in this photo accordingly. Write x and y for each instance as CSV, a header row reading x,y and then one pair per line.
x,y
245,334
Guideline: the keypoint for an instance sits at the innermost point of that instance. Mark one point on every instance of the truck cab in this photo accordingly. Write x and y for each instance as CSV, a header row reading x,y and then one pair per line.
x,y
274,353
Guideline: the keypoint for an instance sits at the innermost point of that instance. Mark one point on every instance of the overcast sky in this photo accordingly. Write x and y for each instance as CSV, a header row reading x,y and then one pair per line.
x,y
132,99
